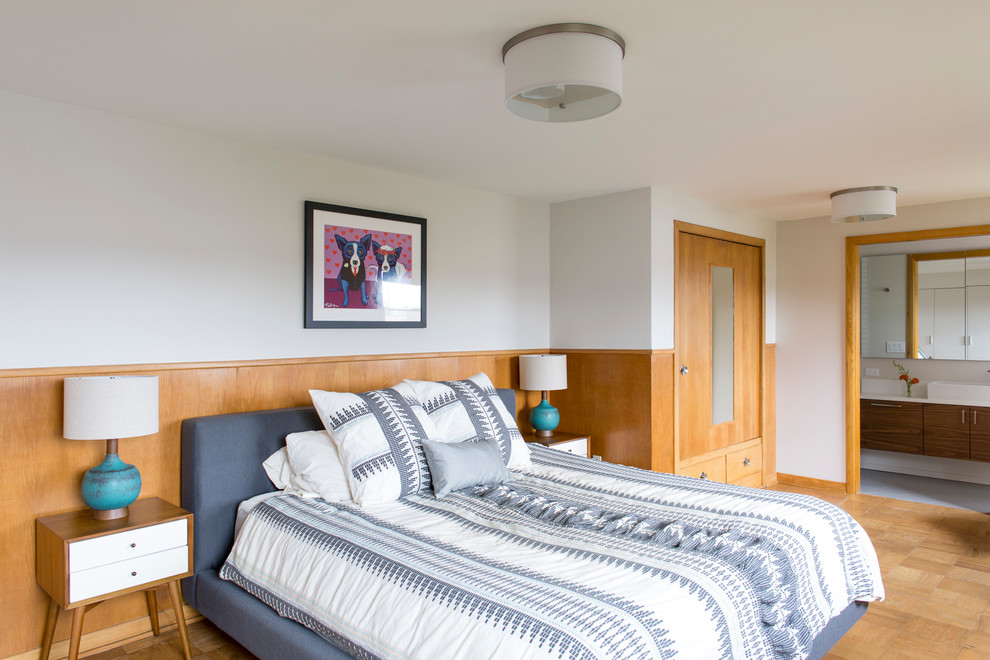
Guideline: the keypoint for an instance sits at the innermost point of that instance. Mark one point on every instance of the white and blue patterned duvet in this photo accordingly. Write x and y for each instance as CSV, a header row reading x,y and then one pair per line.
x,y
571,559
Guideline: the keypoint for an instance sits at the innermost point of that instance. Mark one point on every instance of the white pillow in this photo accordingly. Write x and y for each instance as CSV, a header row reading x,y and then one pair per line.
x,y
379,436
316,466
278,469
471,409
280,472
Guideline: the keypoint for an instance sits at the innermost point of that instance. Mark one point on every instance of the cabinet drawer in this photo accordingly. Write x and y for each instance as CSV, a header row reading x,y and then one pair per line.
x,y
742,463
891,425
752,480
713,469
128,573
129,544
579,447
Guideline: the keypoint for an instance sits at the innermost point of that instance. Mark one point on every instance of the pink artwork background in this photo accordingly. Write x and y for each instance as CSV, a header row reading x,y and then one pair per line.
x,y
333,259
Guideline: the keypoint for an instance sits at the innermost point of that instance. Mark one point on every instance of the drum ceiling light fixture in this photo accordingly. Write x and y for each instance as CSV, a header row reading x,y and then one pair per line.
x,y
864,204
563,72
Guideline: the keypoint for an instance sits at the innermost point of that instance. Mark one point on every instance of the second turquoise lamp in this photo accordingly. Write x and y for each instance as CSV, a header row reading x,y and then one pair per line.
x,y
543,373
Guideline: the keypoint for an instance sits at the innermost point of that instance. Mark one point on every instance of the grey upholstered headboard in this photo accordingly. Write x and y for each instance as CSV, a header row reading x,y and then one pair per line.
x,y
222,459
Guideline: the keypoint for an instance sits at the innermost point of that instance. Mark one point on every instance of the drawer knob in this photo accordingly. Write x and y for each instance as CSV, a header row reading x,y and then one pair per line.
x,y
133,573
746,462
704,475
133,545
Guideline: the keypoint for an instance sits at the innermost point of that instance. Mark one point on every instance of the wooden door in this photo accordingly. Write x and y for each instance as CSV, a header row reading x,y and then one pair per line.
x,y
698,258
946,431
979,434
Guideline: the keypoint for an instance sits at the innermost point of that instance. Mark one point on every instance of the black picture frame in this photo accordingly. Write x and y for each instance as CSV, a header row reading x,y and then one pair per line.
x,y
364,268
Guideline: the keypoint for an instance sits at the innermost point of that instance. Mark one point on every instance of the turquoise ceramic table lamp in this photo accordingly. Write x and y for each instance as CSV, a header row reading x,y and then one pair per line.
x,y
543,373
109,408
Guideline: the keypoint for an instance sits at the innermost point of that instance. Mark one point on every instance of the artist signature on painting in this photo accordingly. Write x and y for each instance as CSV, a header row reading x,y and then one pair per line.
x,y
330,306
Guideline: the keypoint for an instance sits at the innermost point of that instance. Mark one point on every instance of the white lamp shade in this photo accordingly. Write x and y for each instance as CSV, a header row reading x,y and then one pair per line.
x,y
110,407
562,76
543,372
864,204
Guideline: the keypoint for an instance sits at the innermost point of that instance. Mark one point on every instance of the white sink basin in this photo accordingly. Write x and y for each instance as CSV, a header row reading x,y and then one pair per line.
x,y
972,392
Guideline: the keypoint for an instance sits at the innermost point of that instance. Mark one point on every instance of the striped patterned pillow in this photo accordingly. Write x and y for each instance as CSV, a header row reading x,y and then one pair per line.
x,y
379,436
471,409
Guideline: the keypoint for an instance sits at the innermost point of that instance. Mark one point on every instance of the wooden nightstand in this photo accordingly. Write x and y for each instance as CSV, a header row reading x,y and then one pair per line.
x,y
82,561
572,443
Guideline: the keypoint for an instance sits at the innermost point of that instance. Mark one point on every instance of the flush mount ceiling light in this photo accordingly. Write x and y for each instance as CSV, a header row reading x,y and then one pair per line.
x,y
563,72
864,204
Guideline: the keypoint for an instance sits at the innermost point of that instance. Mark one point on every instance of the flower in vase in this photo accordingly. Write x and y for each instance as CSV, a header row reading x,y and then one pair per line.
x,y
906,377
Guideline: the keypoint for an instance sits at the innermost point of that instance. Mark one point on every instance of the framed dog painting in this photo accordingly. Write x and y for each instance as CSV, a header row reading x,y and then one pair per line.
x,y
364,269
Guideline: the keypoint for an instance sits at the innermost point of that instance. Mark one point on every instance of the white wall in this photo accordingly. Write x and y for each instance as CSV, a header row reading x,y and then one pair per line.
x,y
600,264
614,255
811,330
124,241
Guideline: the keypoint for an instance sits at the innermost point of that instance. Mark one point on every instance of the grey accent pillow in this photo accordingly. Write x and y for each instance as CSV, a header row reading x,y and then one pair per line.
x,y
457,465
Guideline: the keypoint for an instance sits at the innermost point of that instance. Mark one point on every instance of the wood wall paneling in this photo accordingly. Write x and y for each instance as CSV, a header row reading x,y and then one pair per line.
x,y
44,470
623,399
608,397
662,403
770,414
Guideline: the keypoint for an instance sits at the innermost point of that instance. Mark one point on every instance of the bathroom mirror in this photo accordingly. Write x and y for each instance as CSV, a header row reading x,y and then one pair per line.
x,y
926,305
884,312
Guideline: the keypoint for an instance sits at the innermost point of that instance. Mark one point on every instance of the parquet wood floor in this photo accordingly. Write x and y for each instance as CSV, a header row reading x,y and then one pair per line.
x,y
936,570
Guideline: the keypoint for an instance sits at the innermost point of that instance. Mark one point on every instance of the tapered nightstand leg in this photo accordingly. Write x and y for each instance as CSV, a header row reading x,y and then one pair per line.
x,y
74,638
152,598
180,618
49,634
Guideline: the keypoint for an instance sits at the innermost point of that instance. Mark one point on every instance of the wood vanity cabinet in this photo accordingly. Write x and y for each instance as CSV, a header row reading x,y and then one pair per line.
x,y
892,426
979,434
932,429
947,430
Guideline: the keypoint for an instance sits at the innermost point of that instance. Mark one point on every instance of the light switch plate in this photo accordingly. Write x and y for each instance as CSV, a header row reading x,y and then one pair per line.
x,y
896,346
872,372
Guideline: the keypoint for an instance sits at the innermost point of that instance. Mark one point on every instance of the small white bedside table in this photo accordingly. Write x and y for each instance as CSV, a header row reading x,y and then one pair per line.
x,y
82,561
572,443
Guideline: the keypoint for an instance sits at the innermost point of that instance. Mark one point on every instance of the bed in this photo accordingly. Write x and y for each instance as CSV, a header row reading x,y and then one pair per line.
x,y
221,467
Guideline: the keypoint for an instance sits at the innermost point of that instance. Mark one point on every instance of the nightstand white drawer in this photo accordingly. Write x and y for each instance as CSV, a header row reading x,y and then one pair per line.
x,y
129,573
126,544
579,446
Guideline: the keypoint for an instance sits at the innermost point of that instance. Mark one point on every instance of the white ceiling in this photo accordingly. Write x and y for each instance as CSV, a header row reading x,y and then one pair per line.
x,y
764,106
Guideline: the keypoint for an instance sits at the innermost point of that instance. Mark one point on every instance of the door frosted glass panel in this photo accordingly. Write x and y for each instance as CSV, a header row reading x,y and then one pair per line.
x,y
723,344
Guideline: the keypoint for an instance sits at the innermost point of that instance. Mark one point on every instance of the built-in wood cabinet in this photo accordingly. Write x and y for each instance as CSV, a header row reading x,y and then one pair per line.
x,y
932,429
741,465
719,378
